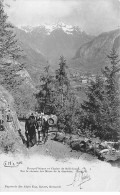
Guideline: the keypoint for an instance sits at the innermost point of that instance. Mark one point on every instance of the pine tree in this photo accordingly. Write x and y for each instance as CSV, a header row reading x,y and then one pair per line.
x,y
62,81
101,110
93,108
44,97
111,75
65,102
8,43
10,52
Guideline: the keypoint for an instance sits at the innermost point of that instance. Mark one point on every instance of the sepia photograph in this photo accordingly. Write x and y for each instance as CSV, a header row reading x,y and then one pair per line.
x,y
60,96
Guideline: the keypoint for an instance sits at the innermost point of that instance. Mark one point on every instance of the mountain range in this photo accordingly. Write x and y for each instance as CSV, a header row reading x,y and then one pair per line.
x,y
45,44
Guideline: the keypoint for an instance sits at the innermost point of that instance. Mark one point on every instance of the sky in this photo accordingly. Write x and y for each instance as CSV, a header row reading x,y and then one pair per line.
x,y
92,16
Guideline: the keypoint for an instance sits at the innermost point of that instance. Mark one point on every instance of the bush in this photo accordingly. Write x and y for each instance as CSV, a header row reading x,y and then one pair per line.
x,y
7,143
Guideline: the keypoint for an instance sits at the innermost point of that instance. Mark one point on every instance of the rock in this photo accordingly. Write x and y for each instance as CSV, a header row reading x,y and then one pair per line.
x,y
69,139
106,145
9,137
117,145
110,154
103,152
59,137
52,135
108,151
75,145
81,144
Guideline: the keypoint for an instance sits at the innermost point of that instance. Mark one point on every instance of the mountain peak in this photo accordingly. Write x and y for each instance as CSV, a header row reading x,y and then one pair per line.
x,y
26,28
69,29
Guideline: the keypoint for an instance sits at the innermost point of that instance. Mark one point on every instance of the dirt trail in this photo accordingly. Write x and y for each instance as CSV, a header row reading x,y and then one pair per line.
x,y
56,150
53,156
104,177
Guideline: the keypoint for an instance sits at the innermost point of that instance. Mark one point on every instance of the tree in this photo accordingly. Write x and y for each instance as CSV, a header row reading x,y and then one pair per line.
x,y
55,93
8,43
62,81
101,110
10,52
44,96
65,102
111,75
52,90
69,114
93,108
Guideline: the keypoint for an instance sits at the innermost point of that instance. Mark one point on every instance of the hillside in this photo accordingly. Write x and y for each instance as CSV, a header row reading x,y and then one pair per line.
x,y
92,56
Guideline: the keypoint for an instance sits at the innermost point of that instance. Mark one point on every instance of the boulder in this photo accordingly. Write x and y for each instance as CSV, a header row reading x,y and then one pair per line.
x,y
60,137
117,145
51,135
67,139
82,144
75,145
108,151
110,154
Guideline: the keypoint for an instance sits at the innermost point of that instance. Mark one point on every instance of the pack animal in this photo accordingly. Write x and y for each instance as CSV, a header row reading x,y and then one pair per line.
x,y
42,127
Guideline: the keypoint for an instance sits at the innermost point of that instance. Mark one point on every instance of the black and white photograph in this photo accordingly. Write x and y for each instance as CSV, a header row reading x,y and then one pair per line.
x,y
60,96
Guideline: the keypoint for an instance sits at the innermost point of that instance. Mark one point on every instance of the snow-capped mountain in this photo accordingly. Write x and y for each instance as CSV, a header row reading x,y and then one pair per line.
x,y
46,43
69,29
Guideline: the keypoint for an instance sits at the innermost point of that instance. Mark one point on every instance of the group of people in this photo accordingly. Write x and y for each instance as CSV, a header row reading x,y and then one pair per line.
x,y
36,129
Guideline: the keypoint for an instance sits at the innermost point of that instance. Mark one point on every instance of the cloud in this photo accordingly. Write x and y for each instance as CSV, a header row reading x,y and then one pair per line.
x,y
94,16
36,11
100,15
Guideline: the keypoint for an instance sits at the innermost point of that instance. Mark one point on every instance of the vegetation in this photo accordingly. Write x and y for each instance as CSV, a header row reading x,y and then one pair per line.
x,y
101,110
11,63
97,116
56,97
10,52
44,96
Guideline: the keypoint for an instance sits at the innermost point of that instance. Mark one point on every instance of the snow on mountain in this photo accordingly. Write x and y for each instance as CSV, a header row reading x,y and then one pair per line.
x,y
26,28
69,29
46,43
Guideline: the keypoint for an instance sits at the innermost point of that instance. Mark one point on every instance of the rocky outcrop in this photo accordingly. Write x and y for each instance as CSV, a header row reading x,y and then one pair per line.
x,y
9,124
